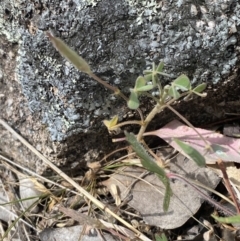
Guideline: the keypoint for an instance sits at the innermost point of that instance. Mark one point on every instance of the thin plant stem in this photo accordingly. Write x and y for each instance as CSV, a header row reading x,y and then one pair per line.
x,y
133,122
119,139
227,183
113,152
199,184
104,83
158,159
190,125
158,107
150,116
164,74
205,196
115,90
152,97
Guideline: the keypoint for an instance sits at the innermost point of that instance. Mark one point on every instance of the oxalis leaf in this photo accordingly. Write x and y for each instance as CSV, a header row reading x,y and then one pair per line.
x,y
148,77
140,82
160,67
173,92
200,88
182,82
191,152
151,166
141,85
133,102
145,88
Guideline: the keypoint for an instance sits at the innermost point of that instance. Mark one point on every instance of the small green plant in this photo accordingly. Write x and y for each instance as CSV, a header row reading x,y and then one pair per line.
x,y
162,237
168,94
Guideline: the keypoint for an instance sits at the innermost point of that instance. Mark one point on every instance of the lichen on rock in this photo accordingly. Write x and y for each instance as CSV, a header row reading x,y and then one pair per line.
x,y
70,101
8,28
196,37
118,38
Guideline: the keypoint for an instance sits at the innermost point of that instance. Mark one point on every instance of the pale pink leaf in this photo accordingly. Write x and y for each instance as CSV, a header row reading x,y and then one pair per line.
x,y
224,148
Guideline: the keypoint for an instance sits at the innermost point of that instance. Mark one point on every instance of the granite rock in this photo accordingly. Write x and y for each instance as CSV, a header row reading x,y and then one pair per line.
x,y
119,39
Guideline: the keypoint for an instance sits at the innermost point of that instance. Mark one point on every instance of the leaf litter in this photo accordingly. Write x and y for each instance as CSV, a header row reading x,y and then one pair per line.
x,y
224,148
148,192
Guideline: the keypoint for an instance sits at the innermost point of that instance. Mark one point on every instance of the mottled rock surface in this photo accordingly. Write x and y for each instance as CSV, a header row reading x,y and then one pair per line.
x,y
119,39
115,40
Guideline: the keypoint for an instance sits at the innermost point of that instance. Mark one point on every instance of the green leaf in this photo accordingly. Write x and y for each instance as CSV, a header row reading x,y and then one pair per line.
x,y
147,71
69,54
191,152
148,77
140,82
153,66
233,219
164,74
140,85
152,166
154,79
160,67
161,238
182,82
200,88
173,92
133,102
145,88
168,193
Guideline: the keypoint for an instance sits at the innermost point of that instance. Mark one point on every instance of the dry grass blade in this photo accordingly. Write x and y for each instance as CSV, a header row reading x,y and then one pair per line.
x,y
82,218
118,228
33,174
18,218
73,183
95,223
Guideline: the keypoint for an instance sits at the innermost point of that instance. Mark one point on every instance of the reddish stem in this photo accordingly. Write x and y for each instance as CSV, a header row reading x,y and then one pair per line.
x,y
227,184
205,196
